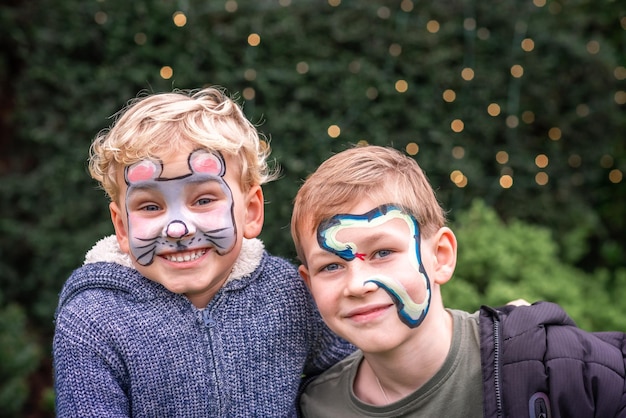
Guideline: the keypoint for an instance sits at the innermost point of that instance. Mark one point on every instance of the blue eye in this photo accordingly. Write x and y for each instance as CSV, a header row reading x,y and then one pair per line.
x,y
330,267
203,201
383,253
150,208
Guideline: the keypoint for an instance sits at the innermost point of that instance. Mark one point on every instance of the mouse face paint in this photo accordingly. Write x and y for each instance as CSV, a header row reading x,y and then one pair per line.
x,y
412,313
192,211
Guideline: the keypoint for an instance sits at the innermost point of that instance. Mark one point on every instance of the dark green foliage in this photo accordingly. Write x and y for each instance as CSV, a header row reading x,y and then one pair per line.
x,y
66,66
19,356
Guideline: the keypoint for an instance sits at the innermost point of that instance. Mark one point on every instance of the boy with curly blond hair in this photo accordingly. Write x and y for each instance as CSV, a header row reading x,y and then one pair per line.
x,y
183,313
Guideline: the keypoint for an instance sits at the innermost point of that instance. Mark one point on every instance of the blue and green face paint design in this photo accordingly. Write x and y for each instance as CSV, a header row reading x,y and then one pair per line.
x,y
410,312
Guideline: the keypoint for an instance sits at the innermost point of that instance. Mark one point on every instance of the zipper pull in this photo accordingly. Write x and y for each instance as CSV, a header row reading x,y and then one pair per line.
x,y
539,406
209,322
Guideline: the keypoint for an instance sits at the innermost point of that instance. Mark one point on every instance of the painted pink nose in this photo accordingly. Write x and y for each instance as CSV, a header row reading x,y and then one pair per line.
x,y
176,229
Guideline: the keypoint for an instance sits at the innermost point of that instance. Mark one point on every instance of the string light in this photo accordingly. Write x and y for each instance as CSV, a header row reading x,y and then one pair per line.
x,y
355,66
582,110
406,5
140,38
469,24
517,71
371,93
412,148
231,6
401,86
483,34
512,121
101,18
383,12
528,45
458,152
542,178
302,67
249,93
432,26
506,181
574,161
334,131
593,47
457,125
528,117
493,109
166,72
250,74
179,19
554,134
395,50
449,95
467,74
541,161
254,39
616,176
502,157
458,178
606,161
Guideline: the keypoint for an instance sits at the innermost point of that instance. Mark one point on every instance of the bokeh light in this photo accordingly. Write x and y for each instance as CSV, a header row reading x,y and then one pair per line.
x,y
334,131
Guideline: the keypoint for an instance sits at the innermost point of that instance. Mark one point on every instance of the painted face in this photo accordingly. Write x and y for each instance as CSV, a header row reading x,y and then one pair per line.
x,y
175,226
411,313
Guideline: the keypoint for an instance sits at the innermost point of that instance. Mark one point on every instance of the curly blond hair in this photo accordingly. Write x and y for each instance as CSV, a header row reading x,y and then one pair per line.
x,y
158,124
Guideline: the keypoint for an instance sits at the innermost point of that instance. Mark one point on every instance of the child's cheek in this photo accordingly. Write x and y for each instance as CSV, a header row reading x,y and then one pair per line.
x,y
142,228
220,216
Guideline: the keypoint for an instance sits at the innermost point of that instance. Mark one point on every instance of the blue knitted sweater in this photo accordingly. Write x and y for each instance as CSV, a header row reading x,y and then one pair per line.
x,y
125,346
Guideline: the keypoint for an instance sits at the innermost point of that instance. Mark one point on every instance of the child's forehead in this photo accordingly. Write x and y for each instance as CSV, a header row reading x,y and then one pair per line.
x,y
368,217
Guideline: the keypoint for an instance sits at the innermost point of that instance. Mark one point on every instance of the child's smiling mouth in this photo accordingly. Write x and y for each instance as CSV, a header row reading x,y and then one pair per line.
x,y
368,312
185,256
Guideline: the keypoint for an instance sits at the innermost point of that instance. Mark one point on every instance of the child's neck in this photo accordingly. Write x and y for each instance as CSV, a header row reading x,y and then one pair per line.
x,y
387,377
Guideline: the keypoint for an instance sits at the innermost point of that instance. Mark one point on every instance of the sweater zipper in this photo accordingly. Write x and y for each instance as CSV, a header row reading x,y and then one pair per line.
x,y
209,322
207,319
496,365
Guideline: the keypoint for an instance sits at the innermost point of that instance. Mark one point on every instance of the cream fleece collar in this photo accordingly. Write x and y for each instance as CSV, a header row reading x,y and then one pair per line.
x,y
108,250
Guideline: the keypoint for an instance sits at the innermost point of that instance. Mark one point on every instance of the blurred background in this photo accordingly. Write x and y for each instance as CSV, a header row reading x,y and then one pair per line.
x,y
514,108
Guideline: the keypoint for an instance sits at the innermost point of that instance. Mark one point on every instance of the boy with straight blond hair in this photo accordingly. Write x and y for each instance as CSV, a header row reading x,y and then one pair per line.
x,y
375,251
183,313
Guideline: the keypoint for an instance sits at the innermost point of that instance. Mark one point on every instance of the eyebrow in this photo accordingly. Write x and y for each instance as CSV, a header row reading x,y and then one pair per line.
x,y
203,180
141,186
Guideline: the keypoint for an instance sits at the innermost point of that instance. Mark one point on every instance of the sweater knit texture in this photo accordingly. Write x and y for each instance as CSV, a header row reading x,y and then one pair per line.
x,y
125,346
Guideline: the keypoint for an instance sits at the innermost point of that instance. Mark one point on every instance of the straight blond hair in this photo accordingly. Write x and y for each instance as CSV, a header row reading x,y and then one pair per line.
x,y
383,175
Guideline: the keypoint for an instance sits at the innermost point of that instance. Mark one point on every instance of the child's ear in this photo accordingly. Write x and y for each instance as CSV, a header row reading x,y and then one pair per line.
x,y
444,248
255,212
304,273
117,217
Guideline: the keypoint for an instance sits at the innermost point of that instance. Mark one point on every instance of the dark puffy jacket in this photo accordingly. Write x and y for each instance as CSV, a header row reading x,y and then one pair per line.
x,y
537,363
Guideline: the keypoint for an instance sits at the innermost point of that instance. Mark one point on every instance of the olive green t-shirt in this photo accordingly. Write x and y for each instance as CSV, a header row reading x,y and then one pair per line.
x,y
454,391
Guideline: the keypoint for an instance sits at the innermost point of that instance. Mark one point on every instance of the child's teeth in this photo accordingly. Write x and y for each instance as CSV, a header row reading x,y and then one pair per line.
x,y
187,257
